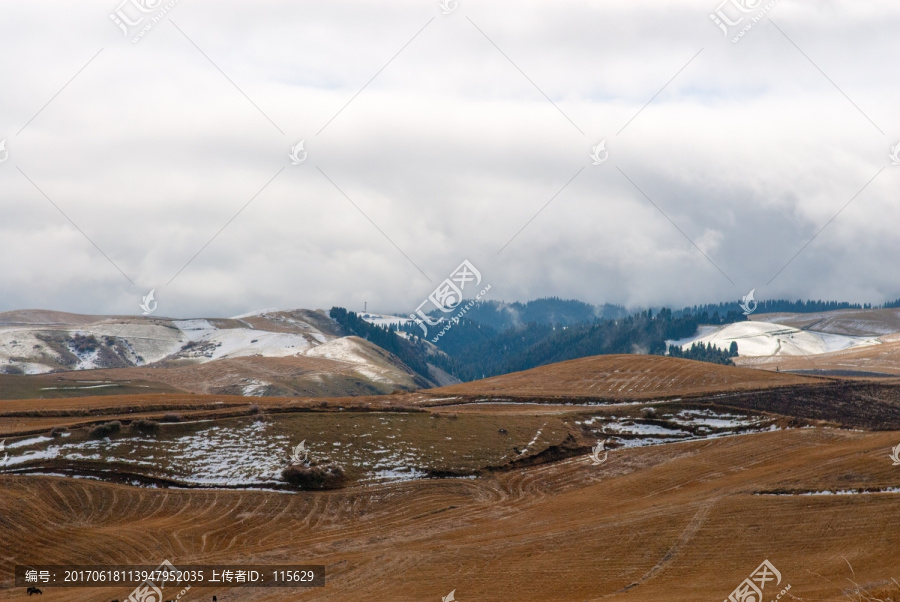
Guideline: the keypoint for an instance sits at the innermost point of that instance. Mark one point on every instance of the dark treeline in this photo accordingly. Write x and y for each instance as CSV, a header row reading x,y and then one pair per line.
x,y
551,311
411,352
475,351
707,353
779,305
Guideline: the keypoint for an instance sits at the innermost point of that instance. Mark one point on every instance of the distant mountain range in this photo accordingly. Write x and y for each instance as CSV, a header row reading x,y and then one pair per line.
x,y
494,338
342,353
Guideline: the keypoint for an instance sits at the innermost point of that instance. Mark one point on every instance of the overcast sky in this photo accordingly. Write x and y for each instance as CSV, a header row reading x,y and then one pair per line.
x,y
431,138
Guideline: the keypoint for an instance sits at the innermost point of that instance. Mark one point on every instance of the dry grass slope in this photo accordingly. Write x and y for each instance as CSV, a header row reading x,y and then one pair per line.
x,y
677,522
624,377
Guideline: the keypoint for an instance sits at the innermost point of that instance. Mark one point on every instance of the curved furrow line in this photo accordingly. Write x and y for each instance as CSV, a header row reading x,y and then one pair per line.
x,y
244,533
275,519
34,538
182,501
222,524
56,486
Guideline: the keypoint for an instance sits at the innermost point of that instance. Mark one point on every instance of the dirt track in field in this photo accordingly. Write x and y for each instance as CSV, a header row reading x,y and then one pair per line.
x,y
673,522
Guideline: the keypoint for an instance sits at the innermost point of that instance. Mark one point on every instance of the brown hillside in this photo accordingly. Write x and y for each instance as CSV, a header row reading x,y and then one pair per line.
x,y
624,377
357,368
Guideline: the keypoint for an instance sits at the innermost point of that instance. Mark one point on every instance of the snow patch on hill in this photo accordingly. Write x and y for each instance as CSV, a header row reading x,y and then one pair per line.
x,y
766,339
350,351
259,312
216,343
137,341
384,319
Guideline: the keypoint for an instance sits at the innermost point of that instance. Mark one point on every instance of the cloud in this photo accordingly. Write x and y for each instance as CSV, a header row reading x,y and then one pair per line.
x,y
452,151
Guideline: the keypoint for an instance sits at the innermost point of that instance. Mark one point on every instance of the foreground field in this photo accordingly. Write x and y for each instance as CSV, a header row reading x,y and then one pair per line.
x,y
709,472
673,522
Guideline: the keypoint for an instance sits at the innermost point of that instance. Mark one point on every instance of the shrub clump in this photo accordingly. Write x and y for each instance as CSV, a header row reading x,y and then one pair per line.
x,y
314,476
105,430
172,417
85,344
143,425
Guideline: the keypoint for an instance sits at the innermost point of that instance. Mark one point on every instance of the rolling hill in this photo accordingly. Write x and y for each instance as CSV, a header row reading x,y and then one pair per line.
x,y
622,378
272,352
860,343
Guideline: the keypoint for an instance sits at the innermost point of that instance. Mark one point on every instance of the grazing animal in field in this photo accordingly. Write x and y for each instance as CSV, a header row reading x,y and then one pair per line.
x,y
502,431
215,599
34,590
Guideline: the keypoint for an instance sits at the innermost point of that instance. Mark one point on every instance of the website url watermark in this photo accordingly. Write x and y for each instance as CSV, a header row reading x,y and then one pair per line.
x,y
731,21
751,588
137,17
447,297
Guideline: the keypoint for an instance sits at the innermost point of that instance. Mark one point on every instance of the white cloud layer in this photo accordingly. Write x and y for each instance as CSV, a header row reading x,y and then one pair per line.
x,y
450,150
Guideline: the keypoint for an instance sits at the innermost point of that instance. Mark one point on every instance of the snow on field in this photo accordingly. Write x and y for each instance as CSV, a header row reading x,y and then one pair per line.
x,y
766,338
535,440
29,441
242,453
79,388
713,420
643,429
42,454
842,492
396,475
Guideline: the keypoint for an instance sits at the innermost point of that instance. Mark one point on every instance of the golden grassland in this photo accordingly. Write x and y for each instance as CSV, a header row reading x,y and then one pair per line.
x,y
673,522
681,521
624,377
